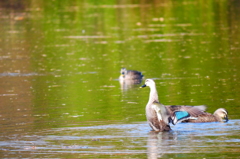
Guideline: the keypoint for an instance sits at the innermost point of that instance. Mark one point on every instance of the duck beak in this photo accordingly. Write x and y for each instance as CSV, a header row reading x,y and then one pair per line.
x,y
143,86
226,118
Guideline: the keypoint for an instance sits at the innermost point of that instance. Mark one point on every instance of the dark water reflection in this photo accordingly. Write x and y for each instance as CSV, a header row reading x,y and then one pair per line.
x,y
59,67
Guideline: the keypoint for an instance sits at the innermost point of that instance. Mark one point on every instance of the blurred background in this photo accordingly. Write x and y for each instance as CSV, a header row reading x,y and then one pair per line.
x,y
60,60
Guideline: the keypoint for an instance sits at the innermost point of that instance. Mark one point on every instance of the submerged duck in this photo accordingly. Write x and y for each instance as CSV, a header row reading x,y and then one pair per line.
x,y
130,74
220,115
160,116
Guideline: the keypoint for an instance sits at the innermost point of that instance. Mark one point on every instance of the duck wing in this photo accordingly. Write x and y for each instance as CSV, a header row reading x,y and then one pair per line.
x,y
194,111
179,113
160,122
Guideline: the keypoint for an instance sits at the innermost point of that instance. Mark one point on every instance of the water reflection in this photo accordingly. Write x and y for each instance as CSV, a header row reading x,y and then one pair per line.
x,y
19,74
128,139
130,83
157,143
191,138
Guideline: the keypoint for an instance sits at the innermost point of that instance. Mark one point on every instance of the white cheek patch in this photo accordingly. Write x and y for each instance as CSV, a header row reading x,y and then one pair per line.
x,y
224,112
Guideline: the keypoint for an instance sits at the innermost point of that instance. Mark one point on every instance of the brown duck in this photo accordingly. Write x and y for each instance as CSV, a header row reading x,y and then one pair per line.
x,y
220,115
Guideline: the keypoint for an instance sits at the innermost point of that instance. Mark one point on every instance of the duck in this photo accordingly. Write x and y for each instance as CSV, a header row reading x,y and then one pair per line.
x,y
159,116
220,115
130,74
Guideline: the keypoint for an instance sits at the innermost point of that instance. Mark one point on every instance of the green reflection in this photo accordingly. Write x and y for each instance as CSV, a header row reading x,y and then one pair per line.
x,y
78,48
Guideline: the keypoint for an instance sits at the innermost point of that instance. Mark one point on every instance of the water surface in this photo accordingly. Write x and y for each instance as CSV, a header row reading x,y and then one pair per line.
x,y
124,140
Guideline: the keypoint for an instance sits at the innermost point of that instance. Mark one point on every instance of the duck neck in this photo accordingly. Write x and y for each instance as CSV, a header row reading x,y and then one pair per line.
x,y
153,97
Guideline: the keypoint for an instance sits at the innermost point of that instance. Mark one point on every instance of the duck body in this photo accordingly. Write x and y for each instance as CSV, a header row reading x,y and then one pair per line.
x,y
160,116
130,74
220,115
155,119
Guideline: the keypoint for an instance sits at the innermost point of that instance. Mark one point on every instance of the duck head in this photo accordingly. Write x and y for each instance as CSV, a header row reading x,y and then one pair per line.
x,y
123,72
221,113
149,83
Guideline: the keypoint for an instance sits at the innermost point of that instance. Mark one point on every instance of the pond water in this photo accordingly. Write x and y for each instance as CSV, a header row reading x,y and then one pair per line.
x,y
60,62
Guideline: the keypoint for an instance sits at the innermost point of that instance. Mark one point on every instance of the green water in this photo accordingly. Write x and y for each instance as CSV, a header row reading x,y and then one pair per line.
x,y
60,63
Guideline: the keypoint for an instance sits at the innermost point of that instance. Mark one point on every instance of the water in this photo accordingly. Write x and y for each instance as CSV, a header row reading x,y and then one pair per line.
x,y
60,62
124,140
